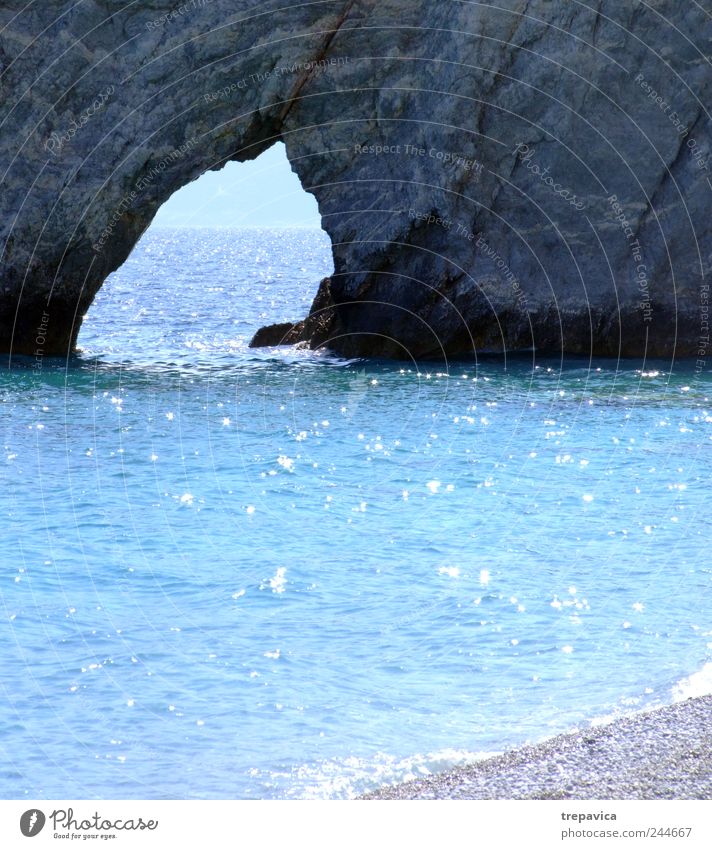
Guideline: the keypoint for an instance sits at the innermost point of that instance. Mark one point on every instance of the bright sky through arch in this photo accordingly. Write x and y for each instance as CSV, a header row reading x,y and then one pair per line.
x,y
264,192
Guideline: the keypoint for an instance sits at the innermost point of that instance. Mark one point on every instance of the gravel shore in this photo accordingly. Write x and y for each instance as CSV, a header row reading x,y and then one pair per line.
x,y
661,754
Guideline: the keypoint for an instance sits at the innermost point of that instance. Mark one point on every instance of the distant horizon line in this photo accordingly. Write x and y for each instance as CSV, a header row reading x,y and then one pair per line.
x,y
160,226
233,227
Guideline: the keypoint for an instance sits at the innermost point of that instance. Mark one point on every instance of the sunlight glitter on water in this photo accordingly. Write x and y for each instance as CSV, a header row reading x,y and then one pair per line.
x,y
306,574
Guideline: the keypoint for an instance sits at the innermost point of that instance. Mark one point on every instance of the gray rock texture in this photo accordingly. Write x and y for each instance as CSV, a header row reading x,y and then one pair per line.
x,y
493,176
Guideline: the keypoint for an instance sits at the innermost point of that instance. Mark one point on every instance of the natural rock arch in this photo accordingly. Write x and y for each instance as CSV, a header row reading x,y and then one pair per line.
x,y
491,177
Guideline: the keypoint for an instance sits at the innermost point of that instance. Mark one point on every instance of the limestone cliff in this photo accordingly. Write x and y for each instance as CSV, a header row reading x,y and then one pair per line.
x,y
513,175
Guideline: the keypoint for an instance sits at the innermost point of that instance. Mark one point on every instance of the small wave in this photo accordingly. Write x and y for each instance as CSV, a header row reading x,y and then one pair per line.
x,y
347,778
695,685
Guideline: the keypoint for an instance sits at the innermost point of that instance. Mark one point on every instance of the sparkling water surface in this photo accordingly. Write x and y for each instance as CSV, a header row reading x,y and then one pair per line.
x,y
230,573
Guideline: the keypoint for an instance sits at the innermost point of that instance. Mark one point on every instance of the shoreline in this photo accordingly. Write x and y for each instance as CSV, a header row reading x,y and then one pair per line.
x,y
664,753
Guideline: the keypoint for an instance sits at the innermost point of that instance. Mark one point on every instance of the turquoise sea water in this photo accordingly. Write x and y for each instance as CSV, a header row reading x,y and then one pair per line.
x,y
245,574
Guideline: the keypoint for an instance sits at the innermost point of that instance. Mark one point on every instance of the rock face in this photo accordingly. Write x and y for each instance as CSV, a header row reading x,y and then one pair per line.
x,y
492,177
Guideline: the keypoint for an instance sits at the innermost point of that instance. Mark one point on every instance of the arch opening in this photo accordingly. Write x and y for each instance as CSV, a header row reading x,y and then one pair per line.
x,y
234,250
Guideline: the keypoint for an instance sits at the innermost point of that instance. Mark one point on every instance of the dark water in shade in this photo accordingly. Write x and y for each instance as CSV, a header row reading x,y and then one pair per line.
x,y
235,574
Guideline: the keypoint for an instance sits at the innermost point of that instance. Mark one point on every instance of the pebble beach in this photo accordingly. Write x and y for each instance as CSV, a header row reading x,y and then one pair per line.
x,y
660,754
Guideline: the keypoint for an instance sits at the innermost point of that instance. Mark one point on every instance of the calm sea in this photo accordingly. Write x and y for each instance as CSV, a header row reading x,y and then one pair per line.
x,y
237,574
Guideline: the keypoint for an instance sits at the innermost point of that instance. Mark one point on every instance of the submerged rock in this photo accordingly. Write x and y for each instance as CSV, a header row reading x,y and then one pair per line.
x,y
529,175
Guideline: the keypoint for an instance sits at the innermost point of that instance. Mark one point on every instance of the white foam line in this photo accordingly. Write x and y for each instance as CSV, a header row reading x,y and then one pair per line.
x,y
697,684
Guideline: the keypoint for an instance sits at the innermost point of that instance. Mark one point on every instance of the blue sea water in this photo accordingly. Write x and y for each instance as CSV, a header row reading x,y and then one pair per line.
x,y
230,573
